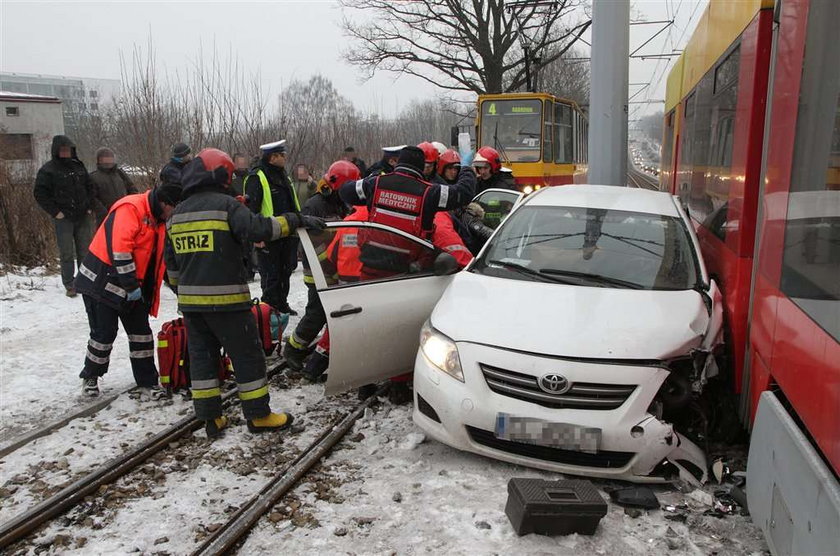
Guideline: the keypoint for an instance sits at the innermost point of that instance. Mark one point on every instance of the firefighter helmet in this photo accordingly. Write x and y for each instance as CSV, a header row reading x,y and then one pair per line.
x,y
448,158
430,153
490,156
341,172
217,163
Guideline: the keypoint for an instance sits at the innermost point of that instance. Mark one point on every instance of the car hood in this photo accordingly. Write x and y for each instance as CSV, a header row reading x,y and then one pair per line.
x,y
571,321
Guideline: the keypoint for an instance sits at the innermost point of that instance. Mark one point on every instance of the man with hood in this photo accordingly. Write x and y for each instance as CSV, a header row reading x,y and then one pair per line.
x,y
207,235
65,191
171,171
271,193
120,279
110,183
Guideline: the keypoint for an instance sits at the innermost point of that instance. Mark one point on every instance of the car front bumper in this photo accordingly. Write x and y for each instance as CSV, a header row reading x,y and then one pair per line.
x,y
633,442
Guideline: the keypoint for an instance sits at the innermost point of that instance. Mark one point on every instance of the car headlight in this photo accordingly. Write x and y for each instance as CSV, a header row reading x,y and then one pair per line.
x,y
440,351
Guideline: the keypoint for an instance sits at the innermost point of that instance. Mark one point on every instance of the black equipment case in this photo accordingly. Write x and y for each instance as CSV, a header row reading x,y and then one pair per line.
x,y
554,507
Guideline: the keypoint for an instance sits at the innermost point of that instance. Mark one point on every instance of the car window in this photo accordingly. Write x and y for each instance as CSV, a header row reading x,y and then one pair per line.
x,y
497,205
593,247
350,254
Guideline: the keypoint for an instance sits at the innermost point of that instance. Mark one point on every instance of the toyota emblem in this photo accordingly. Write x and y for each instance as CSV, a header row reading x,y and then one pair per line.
x,y
554,384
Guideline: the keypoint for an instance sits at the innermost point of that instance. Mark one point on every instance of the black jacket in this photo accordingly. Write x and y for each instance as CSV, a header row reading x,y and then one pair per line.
x,y
332,209
63,184
207,239
360,164
499,180
171,172
282,190
110,185
379,167
237,184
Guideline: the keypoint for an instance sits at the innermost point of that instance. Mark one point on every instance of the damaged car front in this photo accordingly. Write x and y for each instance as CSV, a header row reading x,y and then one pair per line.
x,y
579,341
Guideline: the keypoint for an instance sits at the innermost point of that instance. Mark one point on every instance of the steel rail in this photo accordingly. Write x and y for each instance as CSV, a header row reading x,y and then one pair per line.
x,y
225,539
19,527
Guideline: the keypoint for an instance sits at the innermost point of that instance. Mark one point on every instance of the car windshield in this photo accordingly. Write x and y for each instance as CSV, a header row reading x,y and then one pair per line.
x,y
593,247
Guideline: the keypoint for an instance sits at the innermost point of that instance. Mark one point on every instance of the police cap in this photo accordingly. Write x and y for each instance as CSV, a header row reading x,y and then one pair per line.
x,y
275,147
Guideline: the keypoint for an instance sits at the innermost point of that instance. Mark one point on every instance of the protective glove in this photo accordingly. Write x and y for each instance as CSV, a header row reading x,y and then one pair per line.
x,y
296,220
134,295
242,199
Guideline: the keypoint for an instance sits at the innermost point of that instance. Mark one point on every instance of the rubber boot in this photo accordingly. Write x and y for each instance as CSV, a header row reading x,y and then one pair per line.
x,y
271,422
294,355
316,366
215,427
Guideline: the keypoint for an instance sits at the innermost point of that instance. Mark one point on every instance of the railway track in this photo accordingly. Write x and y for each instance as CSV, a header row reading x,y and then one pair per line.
x,y
641,180
29,521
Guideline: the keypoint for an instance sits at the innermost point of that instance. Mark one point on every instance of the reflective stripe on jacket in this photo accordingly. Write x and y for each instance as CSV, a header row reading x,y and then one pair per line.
x,y
267,206
127,247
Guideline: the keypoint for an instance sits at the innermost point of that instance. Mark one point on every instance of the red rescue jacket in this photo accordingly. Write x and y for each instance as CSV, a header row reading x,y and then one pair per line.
x,y
126,253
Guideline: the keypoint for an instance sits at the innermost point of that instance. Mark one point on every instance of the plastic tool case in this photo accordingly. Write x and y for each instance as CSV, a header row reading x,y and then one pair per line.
x,y
554,507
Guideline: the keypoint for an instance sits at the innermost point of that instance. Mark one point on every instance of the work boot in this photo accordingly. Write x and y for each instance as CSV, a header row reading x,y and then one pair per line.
x,y
288,310
316,366
90,387
294,355
399,393
214,427
271,422
148,393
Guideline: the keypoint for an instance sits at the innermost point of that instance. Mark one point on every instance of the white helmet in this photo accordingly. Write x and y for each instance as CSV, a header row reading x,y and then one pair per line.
x,y
441,148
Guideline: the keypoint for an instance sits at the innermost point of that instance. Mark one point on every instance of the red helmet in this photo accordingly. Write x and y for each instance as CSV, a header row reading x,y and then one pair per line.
x,y
490,156
430,152
448,157
340,172
217,163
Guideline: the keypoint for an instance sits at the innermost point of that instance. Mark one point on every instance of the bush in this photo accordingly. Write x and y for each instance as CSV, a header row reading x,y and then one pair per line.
x,y
27,236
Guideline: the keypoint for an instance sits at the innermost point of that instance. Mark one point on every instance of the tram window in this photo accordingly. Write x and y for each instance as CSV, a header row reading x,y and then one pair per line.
x,y
563,133
513,127
668,144
811,259
549,132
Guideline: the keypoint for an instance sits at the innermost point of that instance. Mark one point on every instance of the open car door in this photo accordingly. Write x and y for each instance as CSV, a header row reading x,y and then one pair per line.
x,y
497,204
374,324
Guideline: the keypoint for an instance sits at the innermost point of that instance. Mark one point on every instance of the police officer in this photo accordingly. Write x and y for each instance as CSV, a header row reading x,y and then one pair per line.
x,y
390,155
120,279
270,193
207,234
324,204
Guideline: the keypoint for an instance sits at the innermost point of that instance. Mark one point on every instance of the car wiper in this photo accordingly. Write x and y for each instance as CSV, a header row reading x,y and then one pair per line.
x,y
521,268
592,277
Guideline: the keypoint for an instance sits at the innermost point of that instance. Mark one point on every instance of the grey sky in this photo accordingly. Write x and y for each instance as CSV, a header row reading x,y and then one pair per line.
x,y
284,40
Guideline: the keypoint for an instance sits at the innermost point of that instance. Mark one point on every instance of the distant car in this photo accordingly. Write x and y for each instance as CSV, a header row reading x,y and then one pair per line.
x,y
585,322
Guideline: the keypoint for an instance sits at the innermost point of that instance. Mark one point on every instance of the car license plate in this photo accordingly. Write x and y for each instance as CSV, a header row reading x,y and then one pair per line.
x,y
545,433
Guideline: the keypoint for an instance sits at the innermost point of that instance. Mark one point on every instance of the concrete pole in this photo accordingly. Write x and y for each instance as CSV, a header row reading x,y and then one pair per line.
x,y
608,92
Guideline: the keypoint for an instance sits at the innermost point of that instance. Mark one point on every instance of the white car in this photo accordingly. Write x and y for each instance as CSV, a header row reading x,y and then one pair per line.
x,y
584,322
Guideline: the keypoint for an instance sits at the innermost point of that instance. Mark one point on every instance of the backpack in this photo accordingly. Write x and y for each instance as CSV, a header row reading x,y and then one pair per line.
x,y
270,325
174,358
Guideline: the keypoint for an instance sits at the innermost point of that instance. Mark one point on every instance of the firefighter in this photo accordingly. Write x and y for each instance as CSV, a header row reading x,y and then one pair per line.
x,y
448,166
431,157
390,155
270,193
207,235
120,279
488,167
325,204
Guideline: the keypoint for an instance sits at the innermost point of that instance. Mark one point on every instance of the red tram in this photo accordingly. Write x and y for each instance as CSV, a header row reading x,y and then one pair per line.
x,y
752,146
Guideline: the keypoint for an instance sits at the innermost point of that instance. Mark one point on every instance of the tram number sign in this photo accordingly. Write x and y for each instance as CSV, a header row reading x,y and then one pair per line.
x,y
493,110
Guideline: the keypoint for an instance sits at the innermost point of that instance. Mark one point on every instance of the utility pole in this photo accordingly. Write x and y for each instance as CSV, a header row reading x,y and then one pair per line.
x,y
608,92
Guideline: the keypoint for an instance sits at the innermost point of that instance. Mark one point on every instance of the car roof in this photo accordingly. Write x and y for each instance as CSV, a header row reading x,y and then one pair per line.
x,y
605,197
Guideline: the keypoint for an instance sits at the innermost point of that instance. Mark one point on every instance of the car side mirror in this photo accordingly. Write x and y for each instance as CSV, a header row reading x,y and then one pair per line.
x,y
445,264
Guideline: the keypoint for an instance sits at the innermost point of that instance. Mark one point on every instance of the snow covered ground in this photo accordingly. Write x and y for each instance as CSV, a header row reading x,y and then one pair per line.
x,y
384,490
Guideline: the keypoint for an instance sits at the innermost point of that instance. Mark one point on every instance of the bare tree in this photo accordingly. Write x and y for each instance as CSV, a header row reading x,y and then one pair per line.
x,y
474,46
567,77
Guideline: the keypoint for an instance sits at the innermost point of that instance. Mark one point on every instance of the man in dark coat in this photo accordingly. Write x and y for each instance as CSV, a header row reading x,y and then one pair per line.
x,y
170,174
110,182
270,193
64,190
350,156
240,171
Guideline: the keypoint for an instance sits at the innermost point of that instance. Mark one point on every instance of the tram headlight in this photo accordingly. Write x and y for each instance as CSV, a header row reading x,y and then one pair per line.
x,y
440,351
527,189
